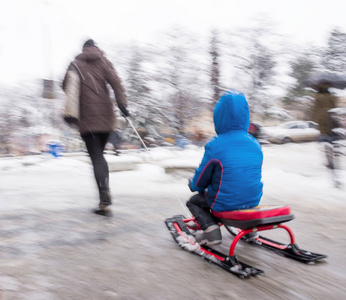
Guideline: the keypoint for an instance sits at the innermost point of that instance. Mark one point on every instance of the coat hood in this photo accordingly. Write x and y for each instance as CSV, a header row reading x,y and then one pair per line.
x,y
231,112
89,54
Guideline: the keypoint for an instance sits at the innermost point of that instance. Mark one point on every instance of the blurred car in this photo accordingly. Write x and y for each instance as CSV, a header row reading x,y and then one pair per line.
x,y
293,131
256,130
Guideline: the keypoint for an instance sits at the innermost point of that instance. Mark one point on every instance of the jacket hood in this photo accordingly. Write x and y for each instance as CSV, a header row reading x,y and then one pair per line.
x,y
89,54
231,113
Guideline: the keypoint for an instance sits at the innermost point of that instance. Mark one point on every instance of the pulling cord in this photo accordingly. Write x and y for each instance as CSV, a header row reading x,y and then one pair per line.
x,y
153,160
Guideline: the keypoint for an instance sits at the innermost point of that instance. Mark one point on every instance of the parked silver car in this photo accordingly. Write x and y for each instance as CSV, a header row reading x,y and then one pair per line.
x,y
294,131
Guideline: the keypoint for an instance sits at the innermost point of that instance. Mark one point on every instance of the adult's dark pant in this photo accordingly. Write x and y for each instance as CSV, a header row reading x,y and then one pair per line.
x,y
95,144
200,209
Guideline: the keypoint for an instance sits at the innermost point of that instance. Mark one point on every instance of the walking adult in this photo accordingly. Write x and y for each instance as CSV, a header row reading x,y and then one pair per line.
x,y
96,118
324,102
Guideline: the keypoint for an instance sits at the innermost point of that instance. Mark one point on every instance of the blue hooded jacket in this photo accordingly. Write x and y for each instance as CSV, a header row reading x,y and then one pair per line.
x,y
231,169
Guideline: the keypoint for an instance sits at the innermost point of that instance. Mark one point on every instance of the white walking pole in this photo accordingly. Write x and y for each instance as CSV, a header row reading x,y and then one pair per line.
x,y
133,127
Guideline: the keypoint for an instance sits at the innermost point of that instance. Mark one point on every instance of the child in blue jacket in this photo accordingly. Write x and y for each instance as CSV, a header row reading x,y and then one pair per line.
x,y
229,176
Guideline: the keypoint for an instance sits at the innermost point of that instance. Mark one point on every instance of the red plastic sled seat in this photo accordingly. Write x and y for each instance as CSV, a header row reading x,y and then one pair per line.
x,y
256,216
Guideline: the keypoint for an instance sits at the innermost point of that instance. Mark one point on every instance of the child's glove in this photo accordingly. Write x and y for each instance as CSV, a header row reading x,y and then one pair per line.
x,y
189,185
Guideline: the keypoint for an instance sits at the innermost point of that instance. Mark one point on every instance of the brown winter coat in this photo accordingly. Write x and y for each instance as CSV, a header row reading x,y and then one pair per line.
x,y
96,107
320,115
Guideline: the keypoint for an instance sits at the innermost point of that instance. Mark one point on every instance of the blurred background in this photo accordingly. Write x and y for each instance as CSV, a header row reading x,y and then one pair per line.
x,y
175,59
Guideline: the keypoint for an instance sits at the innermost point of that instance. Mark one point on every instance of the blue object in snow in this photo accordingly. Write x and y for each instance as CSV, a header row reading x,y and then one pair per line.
x,y
181,141
55,148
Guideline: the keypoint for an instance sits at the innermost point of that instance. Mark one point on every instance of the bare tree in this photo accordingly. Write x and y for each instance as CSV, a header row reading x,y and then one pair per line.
x,y
334,56
215,66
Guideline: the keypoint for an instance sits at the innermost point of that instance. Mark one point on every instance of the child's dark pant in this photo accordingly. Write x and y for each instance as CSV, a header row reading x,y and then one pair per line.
x,y
200,209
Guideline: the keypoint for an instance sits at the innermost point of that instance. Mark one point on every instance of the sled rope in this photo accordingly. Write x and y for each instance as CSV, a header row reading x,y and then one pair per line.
x,y
153,160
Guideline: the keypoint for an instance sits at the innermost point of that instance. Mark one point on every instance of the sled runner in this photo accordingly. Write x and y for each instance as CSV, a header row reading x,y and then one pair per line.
x,y
240,223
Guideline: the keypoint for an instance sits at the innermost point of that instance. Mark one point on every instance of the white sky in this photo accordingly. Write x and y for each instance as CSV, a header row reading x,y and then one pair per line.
x,y
31,29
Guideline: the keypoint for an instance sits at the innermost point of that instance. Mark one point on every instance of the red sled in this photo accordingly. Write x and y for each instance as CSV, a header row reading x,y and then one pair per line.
x,y
240,223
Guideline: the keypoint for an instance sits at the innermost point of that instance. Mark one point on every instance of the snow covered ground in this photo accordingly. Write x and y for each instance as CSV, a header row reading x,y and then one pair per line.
x,y
53,247
290,170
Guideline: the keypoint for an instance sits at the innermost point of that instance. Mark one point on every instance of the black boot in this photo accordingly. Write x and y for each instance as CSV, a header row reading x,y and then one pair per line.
x,y
105,197
105,202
